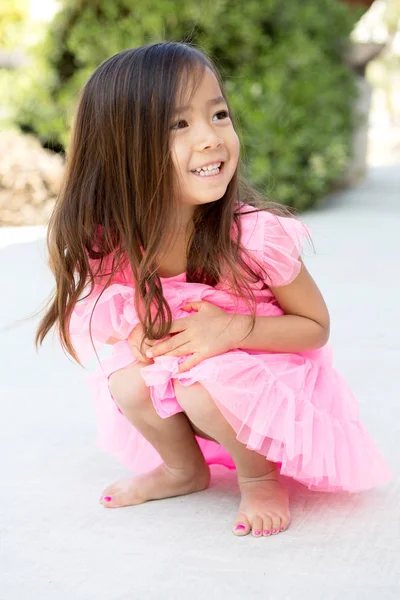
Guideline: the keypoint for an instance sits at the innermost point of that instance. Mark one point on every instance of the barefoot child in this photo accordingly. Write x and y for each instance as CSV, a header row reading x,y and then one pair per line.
x,y
218,332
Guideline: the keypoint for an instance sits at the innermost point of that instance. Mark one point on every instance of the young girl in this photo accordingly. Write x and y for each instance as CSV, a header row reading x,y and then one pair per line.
x,y
218,332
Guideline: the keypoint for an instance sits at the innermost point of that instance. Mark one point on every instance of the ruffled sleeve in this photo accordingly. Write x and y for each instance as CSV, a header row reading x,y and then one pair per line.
x,y
102,315
282,245
105,312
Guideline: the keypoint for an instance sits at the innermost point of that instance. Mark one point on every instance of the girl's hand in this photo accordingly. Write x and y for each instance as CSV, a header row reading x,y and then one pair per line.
x,y
134,340
208,332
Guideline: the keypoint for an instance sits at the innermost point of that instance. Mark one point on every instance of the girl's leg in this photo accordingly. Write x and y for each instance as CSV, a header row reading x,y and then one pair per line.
x,y
184,470
264,506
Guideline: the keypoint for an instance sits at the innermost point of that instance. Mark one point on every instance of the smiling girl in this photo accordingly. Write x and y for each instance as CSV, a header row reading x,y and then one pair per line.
x,y
218,332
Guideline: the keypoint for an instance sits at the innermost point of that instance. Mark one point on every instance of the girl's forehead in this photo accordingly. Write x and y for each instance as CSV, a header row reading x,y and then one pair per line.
x,y
199,85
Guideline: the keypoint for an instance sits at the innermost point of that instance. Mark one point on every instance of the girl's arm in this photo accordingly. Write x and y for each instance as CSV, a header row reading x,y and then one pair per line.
x,y
211,330
303,327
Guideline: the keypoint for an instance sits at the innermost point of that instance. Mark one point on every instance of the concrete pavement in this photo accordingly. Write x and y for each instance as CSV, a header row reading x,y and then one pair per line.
x,y
58,543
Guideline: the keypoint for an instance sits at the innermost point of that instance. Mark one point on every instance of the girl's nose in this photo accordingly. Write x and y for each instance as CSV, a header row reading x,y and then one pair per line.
x,y
208,138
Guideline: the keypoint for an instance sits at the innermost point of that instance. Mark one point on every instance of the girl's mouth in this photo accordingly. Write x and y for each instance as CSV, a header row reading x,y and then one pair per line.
x,y
213,174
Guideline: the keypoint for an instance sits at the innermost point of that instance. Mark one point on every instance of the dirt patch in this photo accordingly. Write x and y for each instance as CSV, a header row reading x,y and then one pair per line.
x,y
30,178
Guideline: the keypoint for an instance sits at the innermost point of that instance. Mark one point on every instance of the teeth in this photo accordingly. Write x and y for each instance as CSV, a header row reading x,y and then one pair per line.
x,y
209,168
208,173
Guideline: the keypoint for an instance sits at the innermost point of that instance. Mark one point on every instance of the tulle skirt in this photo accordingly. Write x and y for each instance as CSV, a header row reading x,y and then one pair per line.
x,y
294,409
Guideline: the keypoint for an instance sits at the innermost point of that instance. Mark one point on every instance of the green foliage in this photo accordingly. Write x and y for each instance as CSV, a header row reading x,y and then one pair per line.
x,y
281,62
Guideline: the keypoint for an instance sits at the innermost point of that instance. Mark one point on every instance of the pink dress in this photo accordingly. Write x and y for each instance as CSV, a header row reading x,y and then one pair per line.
x,y
294,408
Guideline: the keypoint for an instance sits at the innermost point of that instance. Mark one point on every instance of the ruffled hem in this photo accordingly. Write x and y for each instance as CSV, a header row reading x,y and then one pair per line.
x,y
318,441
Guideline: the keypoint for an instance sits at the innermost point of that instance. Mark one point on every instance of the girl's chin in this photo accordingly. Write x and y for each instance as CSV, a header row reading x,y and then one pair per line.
x,y
193,202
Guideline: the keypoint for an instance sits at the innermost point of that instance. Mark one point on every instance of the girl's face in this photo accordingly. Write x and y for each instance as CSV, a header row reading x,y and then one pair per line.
x,y
204,136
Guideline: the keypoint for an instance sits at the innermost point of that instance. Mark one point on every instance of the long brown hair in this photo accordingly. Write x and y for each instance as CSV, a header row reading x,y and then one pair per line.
x,y
118,196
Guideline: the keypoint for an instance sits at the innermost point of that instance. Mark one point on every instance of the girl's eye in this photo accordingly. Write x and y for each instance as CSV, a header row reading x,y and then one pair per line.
x,y
176,125
225,114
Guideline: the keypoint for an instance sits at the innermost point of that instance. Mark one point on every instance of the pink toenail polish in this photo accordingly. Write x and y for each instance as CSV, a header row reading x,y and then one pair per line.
x,y
257,532
107,498
267,532
282,529
274,531
240,526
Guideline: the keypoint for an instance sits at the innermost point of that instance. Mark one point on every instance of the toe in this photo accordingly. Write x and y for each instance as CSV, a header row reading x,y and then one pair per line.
x,y
284,523
105,494
109,501
257,526
108,491
241,525
111,497
276,524
267,526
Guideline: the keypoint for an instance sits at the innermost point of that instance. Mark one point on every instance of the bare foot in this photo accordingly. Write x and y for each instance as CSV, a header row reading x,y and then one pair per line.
x,y
162,482
264,508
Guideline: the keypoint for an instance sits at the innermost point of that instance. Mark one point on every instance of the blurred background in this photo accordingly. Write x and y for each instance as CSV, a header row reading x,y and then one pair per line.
x,y
315,86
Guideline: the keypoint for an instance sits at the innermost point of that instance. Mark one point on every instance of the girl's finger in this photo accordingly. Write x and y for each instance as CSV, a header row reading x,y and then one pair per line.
x,y
144,345
169,346
137,354
191,362
144,359
181,351
195,305
179,325
154,342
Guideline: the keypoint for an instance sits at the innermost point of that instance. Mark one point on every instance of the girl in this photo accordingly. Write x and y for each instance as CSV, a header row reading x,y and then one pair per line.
x,y
218,332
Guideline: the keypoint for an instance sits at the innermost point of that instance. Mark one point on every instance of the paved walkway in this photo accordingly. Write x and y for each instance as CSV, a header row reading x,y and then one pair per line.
x,y
58,543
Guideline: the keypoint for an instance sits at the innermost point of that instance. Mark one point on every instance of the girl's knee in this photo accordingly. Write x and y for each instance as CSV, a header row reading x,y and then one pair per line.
x,y
129,389
196,401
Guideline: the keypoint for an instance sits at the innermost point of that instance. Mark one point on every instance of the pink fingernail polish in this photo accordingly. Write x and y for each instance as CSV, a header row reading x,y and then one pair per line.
x,y
267,532
274,531
240,526
107,498
257,532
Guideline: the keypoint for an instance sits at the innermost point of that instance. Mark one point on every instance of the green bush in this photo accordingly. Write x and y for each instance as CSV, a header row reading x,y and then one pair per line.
x,y
281,62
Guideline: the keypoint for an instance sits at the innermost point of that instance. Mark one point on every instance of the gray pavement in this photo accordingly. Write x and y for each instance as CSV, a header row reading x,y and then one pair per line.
x,y
58,543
